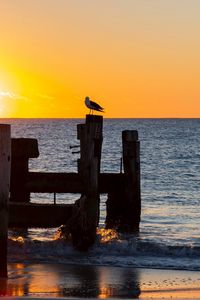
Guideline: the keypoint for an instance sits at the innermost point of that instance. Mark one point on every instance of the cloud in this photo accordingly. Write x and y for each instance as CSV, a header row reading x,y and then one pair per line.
x,y
6,94
11,95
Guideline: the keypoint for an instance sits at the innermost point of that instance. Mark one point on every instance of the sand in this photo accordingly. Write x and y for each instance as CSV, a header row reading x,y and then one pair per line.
x,y
57,280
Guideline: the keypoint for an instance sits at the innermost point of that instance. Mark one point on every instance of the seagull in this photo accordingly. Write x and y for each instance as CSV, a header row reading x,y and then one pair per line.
x,y
93,105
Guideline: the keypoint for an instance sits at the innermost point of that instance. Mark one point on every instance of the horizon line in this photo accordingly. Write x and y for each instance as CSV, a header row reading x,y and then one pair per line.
x,y
62,118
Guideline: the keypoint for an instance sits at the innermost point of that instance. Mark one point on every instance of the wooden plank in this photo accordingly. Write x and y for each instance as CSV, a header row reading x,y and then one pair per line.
x,y
5,158
40,182
25,215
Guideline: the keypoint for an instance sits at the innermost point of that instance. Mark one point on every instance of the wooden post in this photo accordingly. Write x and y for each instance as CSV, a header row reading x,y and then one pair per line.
x,y
83,229
22,149
115,207
131,162
124,204
5,158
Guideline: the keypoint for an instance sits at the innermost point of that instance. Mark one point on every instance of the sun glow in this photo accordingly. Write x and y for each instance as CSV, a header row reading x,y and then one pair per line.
x,y
127,54
5,94
7,99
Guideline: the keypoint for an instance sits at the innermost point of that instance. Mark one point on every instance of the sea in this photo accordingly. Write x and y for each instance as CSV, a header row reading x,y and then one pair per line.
x,y
169,236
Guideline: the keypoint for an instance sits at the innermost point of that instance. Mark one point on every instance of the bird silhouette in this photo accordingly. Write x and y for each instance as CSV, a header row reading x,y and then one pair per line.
x,y
93,105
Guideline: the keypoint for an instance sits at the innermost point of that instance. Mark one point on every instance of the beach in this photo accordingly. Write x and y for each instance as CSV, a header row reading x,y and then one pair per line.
x,y
67,281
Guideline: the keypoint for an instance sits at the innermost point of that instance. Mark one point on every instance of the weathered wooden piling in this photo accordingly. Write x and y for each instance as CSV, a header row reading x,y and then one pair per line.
x,y
21,150
131,163
5,158
83,226
124,206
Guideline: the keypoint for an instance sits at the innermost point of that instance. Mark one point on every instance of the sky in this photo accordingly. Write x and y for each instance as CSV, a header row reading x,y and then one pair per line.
x,y
136,58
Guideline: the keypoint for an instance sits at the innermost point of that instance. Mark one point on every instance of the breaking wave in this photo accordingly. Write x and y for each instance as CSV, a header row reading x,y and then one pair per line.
x,y
110,249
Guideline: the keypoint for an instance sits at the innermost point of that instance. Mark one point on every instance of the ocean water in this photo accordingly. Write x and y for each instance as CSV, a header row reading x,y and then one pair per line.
x,y
169,234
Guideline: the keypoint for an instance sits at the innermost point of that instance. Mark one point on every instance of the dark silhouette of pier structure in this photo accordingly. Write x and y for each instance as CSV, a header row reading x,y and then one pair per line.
x,y
81,218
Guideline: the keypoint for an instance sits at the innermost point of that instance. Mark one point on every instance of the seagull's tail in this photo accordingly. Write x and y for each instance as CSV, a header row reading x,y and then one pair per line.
x,y
101,110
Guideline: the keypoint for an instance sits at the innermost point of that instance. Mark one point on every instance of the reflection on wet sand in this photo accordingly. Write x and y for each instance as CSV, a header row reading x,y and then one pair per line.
x,y
45,280
102,282
75,281
16,284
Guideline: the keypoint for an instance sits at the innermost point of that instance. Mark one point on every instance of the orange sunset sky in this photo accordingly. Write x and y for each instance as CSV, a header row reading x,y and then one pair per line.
x,y
136,58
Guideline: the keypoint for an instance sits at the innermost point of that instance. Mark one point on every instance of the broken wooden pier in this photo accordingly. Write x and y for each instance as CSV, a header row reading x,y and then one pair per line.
x,y
81,218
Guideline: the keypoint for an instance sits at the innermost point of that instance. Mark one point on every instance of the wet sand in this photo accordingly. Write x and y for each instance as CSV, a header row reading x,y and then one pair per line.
x,y
57,280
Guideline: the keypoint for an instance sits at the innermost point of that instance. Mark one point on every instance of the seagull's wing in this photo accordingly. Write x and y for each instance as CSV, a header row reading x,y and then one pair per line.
x,y
95,105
